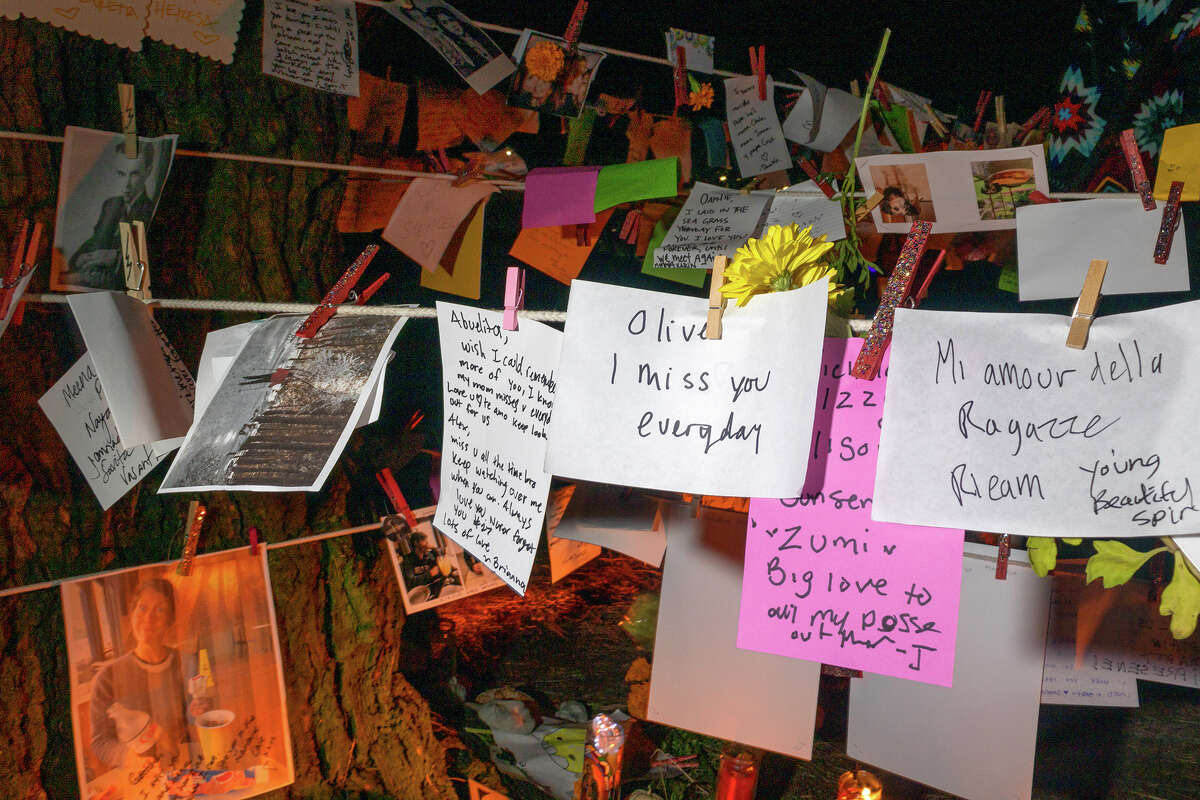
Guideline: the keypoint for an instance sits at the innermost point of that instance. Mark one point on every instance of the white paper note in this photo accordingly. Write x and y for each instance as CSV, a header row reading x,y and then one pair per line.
x,y
608,516
1056,243
713,222
754,127
977,738
149,389
823,214
313,44
499,389
956,190
701,681
206,27
80,413
646,400
821,117
993,424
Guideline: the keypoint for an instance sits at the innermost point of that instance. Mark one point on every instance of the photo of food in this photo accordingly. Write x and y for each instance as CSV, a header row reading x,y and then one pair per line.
x,y
906,193
1002,186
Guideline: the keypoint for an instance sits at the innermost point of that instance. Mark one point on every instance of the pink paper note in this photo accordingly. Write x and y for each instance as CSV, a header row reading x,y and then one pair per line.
x,y
823,581
559,196
429,214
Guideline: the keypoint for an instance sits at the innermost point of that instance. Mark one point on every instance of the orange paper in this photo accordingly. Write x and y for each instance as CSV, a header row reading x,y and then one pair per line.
x,y
553,250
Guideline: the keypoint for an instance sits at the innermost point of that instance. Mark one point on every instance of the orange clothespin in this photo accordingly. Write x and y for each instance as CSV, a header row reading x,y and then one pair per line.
x,y
21,262
810,169
514,297
1085,306
758,65
1002,554
135,258
338,294
681,86
575,26
253,533
128,119
394,495
1170,222
866,208
195,521
716,300
1134,158
629,229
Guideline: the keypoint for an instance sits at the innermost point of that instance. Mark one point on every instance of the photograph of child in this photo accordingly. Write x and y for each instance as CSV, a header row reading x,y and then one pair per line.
x,y
1001,187
99,188
176,682
566,94
431,568
906,193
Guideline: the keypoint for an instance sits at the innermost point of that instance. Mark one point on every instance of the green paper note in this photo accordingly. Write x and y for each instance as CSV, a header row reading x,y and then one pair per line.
x,y
897,122
579,133
1008,279
641,180
691,277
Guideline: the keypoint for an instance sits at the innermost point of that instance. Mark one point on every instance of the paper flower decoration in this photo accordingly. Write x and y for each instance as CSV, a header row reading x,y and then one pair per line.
x,y
544,60
784,258
701,97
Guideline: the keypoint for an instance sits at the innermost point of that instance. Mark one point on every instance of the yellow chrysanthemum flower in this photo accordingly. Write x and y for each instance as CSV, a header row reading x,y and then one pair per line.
x,y
544,60
702,97
784,258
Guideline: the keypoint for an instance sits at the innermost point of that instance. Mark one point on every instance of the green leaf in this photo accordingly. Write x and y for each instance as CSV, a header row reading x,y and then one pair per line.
x,y
1075,542
1043,554
1181,600
1116,562
693,84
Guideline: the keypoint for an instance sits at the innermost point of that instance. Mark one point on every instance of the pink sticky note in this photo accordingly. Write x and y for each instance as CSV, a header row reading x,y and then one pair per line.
x,y
823,581
429,214
559,196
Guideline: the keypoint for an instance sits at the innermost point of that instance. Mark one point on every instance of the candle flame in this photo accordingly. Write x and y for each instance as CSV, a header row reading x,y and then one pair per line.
x,y
867,794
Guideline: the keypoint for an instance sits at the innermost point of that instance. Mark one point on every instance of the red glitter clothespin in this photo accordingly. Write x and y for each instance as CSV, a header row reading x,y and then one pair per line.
x,y
253,533
980,107
1170,222
1002,554
810,169
575,26
21,262
1141,183
758,65
399,504
927,270
866,366
195,521
681,86
629,229
514,297
1033,122
338,294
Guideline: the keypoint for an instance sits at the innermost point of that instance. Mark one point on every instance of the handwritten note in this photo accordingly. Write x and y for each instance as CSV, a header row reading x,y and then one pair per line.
x,y
824,582
556,250
205,27
499,390
313,44
645,399
429,214
822,214
1179,162
993,424
559,196
713,222
754,127
80,413
119,22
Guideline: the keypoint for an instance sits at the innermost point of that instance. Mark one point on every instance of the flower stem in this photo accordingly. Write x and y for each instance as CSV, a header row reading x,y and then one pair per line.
x,y
848,198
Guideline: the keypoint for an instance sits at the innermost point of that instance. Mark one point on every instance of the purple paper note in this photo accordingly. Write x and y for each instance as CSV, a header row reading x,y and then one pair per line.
x,y
559,196
823,581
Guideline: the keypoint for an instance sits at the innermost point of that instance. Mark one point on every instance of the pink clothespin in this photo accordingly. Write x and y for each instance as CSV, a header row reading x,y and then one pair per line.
x,y
514,297
629,230
20,264
758,65
195,521
1141,183
394,495
981,105
810,169
338,294
681,87
866,366
253,532
575,26
1170,221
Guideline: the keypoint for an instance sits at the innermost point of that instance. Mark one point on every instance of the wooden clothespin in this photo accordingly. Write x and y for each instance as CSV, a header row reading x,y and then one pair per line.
x,y
1085,306
716,300
936,122
866,366
195,521
980,107
1002,552
631,226
681,87
135,258
514,297
810,169
1001,122
253,534
575,26
1170,222
395,496
21,261
1141,184
338,294
128,119
928,268
866,208
758,65
854,90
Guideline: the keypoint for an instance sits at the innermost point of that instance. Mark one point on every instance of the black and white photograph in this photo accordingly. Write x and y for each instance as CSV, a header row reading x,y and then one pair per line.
x,y
470,51
284,410
431,567
99,188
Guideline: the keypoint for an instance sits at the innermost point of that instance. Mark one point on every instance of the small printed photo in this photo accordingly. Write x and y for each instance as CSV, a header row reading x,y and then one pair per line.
x,y
466,48
176,682
550,77
99,188
906,193
1001,187
431,567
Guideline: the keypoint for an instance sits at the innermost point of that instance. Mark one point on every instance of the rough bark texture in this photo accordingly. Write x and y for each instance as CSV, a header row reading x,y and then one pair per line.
x,y
236,231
